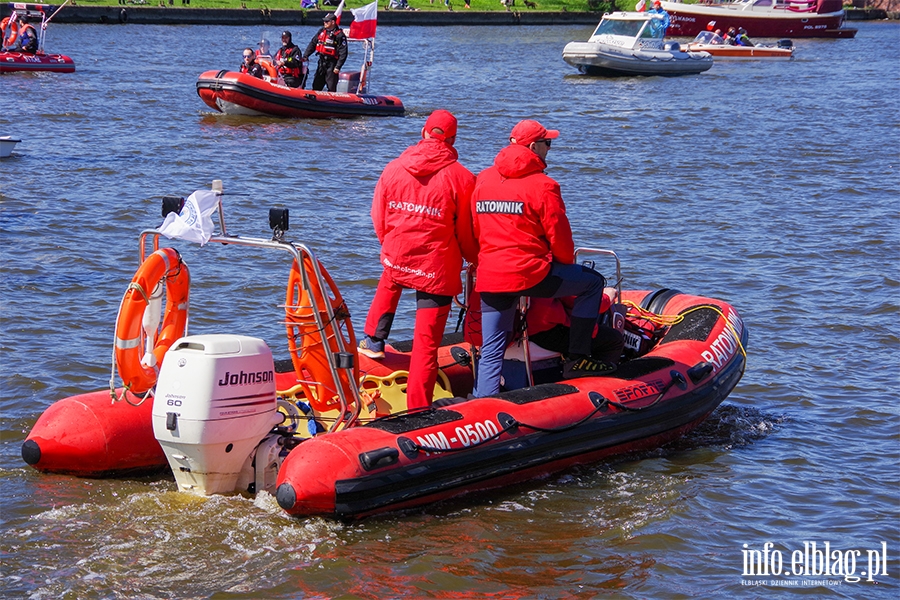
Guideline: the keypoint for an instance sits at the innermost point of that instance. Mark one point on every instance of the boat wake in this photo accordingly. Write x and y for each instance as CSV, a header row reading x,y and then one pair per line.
x,y
729,427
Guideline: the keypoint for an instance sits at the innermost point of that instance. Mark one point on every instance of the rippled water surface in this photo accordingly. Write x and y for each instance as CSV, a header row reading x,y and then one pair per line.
x,y
772,185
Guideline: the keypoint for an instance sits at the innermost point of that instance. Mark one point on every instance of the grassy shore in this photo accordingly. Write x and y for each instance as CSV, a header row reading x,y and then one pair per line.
x,y
436,5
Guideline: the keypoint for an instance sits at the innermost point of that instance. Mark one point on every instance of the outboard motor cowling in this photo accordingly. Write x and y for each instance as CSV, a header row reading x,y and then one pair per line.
x,y
784,43
215,401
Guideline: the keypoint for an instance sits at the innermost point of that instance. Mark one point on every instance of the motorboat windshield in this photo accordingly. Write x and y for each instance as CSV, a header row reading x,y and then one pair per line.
x,y
709,38
616,27
266,44
628,25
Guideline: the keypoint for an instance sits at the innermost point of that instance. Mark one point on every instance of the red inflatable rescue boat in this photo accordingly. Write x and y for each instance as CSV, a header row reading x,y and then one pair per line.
x,y
12,58
328,431
242,94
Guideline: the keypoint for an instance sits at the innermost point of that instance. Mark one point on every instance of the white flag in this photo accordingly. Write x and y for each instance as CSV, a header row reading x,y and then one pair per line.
x,y
194,223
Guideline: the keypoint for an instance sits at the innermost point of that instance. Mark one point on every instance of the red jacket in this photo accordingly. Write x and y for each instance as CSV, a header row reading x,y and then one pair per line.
x,y
421,217
520,222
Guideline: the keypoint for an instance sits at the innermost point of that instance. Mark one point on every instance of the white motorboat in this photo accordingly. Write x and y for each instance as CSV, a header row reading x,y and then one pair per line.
x,y
7,144
708,41
633,43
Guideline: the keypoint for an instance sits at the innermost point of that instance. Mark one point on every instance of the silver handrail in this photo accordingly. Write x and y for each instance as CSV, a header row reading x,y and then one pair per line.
x,y
579,259
298,252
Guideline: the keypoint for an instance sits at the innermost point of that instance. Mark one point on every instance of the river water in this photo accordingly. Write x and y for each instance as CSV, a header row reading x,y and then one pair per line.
x,y
771,185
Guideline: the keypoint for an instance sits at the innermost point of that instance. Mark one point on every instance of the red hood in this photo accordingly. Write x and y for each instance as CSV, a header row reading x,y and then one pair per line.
x,y
518,161
427,157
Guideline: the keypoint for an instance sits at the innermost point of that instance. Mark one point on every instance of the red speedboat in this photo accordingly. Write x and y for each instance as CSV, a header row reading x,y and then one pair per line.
x,y
761,18
328,431
12,59
242,94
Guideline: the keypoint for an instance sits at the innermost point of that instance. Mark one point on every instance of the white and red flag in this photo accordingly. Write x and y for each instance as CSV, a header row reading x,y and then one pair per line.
x,y
641,5
337,13
364,21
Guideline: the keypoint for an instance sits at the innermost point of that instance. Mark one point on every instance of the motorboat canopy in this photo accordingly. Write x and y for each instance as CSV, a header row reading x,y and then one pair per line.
x,y
631,30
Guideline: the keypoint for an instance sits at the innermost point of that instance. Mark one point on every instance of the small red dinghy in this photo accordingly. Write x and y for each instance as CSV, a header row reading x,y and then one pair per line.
x,y
20,61
328,431
242,94
12,58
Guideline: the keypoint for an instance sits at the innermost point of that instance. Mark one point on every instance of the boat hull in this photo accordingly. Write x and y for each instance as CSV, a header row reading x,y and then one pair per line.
x,y
89,435
237,93
7,144
688,20
595,58
11,62
487,443
743,52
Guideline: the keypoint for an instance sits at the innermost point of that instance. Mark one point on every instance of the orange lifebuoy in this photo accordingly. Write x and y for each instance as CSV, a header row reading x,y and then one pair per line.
x,y
306,340
134,337
9,41
270,69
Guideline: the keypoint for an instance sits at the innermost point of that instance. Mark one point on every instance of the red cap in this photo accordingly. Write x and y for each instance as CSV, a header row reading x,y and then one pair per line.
x,y
528,131
443,120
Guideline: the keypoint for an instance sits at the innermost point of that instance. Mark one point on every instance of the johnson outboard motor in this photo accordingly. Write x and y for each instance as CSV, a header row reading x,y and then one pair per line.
x,y
215,402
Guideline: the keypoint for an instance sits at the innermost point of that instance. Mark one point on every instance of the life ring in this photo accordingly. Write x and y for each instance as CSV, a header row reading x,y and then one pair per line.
x,y
270,69
141,343
306,341
10,40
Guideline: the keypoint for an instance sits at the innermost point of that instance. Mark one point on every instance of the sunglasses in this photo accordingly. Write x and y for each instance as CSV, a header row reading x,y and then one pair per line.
x,y
248,56
548,142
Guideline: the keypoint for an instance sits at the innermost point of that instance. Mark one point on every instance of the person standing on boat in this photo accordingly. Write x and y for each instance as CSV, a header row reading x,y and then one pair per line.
x,y
289,61
421,216
330,44
526,249
250,66
659,25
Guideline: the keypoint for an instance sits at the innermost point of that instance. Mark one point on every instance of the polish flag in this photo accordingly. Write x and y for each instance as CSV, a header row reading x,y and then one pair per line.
x,y
337,13
641,5
364,21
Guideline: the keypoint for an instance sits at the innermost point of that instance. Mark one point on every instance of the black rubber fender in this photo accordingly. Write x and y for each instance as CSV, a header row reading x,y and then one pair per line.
x,y
656,301
123,16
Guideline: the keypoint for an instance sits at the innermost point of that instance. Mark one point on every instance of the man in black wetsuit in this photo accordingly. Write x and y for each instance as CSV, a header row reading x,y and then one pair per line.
x,y
330,44
289,61
250,66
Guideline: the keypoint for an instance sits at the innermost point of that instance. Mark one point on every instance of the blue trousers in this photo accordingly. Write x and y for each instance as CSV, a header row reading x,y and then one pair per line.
x,y
498,312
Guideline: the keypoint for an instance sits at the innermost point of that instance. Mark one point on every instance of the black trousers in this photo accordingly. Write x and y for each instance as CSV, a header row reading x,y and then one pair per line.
x,y
607,345
325,75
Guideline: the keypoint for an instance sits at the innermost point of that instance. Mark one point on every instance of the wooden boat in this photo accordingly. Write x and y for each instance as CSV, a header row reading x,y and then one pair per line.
x,y
631,43
328,431
242,94
708,41
765,18
12,59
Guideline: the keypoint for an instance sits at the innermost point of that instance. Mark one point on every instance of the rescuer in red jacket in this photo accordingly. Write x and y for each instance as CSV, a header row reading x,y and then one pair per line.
x,y
421,215
526,249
